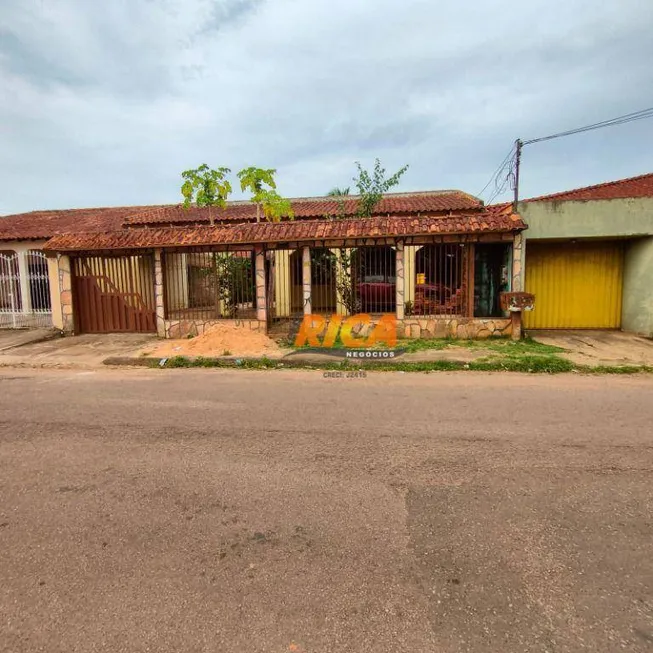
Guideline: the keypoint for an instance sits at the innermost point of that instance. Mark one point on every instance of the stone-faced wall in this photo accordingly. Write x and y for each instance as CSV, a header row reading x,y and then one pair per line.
x,y
518,263
425,328
455,327
185,328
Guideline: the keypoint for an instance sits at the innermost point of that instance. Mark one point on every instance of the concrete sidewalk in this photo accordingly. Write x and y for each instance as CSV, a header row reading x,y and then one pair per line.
x,y
14,338
85,351
586,348
595,347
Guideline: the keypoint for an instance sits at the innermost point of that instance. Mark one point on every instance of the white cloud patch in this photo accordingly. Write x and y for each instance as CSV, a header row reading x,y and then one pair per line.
x,y
105,103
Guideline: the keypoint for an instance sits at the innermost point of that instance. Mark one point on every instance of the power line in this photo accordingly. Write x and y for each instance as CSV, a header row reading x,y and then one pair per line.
x,y
510,164
498,171
620,120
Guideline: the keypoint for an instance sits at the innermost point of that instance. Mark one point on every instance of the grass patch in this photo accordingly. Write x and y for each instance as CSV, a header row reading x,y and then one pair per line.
x,y
621,369
410,345
533,364
505,346
509,347
547,364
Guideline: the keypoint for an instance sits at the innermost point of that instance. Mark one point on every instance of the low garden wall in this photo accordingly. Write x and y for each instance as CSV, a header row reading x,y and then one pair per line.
x,y
451,327
463,328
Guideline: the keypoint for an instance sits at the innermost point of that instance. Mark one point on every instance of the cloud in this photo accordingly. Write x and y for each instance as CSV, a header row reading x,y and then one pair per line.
x,y
105,104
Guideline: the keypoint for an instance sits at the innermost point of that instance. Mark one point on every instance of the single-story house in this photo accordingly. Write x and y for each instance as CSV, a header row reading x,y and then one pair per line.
x,y
589,257
28,278
436,260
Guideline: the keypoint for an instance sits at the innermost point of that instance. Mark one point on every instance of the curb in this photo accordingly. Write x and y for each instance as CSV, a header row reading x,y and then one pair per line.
x,y
244,362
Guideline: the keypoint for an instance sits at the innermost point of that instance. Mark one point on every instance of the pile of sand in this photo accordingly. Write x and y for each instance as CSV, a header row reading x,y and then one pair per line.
x,y
218,340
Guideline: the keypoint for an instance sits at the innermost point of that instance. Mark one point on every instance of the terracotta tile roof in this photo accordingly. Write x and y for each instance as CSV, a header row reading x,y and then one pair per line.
x,y
641,186
44,224
316,207
38,225
494,220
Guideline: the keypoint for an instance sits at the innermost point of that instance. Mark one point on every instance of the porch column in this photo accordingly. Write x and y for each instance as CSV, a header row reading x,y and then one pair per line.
x,y
306,279
55,292
23,275
399,280
283,282
66,294
261,290
410,252
518,263
341,309
159,299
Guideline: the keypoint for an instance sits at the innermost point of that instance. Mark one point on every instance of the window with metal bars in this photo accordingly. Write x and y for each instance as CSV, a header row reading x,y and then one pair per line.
x,y
209,285
440,280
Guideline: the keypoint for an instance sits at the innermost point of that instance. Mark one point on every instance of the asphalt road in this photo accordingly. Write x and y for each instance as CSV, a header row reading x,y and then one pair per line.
x,y
179,510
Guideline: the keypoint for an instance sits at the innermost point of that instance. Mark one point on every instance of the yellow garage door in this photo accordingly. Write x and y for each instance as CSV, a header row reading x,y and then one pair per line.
x,y
576,286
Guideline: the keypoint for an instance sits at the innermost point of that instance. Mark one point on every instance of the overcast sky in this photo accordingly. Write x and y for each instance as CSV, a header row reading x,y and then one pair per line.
x,y
105,103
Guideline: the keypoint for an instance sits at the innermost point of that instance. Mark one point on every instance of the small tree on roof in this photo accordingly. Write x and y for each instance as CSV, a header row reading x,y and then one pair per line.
x,y
206,187
267,199
372,187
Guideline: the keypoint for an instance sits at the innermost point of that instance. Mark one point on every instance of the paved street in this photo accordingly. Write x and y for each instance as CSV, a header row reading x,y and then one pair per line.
x,y
207,510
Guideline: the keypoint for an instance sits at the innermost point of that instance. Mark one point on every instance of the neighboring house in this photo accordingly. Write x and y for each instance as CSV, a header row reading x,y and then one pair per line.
x,y
437,260
29,288
589,257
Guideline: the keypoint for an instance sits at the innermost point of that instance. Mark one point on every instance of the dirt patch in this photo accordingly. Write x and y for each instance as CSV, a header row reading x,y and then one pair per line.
x,y
218,340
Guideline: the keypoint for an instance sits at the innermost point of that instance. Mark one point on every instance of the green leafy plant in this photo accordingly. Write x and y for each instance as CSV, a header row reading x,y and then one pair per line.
x,y
274,207
345,280
207,187
234,276
372,186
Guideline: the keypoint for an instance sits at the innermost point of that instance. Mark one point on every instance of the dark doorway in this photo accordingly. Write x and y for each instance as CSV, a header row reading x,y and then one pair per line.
x,y
491,278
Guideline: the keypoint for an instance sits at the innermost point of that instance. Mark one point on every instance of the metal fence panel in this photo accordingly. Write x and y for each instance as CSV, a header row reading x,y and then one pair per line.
x,y
208,285
25,300
437,279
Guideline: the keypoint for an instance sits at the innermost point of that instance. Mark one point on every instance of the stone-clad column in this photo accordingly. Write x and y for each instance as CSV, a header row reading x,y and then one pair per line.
x,y
306,280
66,295
159,299
399,281
518,263
341,274
261,290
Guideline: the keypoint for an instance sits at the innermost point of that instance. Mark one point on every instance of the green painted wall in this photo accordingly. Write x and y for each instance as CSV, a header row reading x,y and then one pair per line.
x,y
637,314
596,219
624,218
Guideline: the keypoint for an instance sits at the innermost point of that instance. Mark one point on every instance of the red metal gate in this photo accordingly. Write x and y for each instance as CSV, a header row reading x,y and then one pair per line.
x,y
114,294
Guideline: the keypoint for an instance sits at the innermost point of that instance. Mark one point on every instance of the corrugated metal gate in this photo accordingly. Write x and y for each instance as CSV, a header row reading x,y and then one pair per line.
x,y
114,294
576,286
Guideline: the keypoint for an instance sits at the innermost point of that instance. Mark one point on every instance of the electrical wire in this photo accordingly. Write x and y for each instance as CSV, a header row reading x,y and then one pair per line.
x,y
620,120
509,179
501,181
497,173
